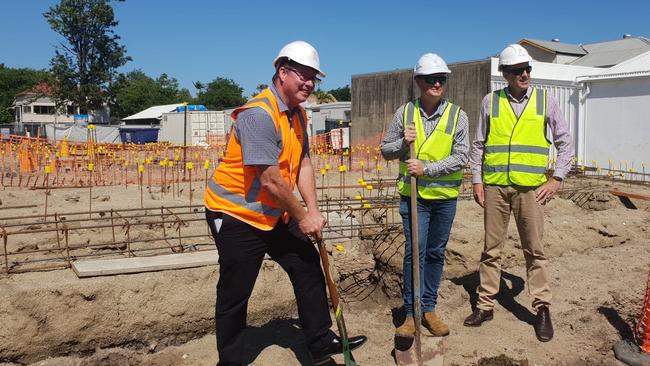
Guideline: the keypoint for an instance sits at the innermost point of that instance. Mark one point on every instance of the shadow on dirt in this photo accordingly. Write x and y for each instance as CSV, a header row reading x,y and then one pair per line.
x,y
285,333
509,288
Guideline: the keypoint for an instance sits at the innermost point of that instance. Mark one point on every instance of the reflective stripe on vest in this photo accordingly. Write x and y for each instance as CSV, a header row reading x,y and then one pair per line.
x,y
243,201
516,149
435,147
235,188
430,183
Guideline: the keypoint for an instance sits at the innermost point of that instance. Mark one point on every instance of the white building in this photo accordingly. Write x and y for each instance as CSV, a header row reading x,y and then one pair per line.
x,y
33,108
150,116
614,124
36,106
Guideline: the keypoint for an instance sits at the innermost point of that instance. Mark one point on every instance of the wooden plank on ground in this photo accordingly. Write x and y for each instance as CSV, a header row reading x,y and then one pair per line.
x,y
107,267
630,195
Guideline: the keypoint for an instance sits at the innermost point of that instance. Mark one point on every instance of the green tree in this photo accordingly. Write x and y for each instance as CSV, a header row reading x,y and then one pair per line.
x,y
342,94
135,91
323,97
221,93
14,81
85,63
259,89
185,96
168,91
199,86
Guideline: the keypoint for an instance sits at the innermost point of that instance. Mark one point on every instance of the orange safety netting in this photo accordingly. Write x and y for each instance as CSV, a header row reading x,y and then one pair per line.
x,y
27,161
643,326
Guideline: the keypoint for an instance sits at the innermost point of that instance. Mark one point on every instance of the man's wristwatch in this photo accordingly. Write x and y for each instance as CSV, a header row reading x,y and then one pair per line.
x,y
557,178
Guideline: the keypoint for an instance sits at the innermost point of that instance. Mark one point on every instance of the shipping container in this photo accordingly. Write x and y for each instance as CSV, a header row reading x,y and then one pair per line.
x,y
200,125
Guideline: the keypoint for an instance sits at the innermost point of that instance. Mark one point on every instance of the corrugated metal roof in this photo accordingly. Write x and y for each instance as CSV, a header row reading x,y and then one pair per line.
x,y
607,58
609,53
618,45
598,54
636,66
153,112
559,47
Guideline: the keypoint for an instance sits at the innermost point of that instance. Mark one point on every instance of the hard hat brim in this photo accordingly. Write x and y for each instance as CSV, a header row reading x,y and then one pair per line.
x,y
275,63
421,73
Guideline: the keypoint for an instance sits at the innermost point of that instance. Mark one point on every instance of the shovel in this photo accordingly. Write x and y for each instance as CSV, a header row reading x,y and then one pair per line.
x,y
338,311
411,351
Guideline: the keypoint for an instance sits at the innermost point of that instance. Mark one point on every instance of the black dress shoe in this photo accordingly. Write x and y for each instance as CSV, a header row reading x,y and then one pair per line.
x,y
336,347
543,325
477,318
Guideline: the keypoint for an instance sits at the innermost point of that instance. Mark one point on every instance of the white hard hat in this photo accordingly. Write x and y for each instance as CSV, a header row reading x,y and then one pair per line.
x,y
513,54
302,53
430,63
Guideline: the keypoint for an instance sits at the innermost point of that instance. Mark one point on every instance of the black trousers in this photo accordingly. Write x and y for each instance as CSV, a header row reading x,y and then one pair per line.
x,y
241,250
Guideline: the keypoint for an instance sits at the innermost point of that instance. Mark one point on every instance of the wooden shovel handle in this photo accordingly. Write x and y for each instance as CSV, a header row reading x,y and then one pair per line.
x,y
334,293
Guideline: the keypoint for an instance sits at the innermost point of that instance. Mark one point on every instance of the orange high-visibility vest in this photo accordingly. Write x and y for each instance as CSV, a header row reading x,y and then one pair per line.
x,y
235,189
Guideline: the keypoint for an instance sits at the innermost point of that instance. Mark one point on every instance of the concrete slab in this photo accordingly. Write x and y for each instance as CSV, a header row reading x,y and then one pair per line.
x,y
108,267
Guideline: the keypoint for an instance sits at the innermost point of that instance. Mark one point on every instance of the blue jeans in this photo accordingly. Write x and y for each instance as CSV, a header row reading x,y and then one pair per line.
x,y
435,218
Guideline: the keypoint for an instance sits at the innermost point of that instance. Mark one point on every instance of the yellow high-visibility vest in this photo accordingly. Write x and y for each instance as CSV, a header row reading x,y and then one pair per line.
x,y
433,148
516,149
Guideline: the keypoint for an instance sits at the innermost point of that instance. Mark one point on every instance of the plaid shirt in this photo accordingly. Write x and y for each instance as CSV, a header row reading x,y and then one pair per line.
x,y
394,146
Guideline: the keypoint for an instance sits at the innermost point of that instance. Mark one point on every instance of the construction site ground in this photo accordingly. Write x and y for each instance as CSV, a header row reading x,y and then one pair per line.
x,y
598,246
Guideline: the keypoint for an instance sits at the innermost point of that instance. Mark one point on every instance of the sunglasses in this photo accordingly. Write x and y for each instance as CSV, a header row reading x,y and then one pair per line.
x,y
520,70
433,79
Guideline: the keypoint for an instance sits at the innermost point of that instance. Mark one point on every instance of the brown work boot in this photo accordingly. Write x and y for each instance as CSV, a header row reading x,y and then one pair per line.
x,y
407,329
543,325
435,326
477,317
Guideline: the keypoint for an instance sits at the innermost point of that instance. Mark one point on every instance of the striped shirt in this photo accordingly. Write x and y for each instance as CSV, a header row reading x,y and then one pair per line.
x,y
394,146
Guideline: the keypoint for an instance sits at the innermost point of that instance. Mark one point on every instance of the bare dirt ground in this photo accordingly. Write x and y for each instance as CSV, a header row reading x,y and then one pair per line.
x,y
599,251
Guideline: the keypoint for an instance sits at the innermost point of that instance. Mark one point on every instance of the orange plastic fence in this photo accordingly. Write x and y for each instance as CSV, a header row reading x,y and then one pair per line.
x,y
643,326
327,151
29,161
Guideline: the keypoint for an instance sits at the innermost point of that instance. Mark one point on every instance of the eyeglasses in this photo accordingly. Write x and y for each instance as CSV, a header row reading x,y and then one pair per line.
x,y
520,70
433,79
302,77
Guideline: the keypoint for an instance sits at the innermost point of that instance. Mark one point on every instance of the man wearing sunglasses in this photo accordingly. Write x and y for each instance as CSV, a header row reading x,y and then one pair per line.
x,y
439,130
251,209
509,159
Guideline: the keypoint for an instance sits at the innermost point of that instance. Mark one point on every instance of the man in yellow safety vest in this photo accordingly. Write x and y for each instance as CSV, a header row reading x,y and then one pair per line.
x,y
509,160
439,130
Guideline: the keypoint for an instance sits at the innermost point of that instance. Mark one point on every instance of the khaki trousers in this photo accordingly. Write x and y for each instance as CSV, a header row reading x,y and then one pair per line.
x,y
529,216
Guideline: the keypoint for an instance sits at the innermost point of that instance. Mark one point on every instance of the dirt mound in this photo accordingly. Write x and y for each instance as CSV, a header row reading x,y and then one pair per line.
x,y
597,269
501,360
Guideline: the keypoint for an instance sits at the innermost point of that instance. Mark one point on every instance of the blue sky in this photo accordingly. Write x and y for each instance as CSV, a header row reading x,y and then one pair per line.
x,y
200,40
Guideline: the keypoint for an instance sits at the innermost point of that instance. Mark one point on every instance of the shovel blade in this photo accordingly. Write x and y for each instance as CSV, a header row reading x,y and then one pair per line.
x,y
431,351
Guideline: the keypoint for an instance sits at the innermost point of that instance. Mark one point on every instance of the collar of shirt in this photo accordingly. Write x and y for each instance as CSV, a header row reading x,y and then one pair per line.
x,y
281,105
438,112
523,99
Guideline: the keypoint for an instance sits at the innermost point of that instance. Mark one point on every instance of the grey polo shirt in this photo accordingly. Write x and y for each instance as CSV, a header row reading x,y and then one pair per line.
x,y
261,144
